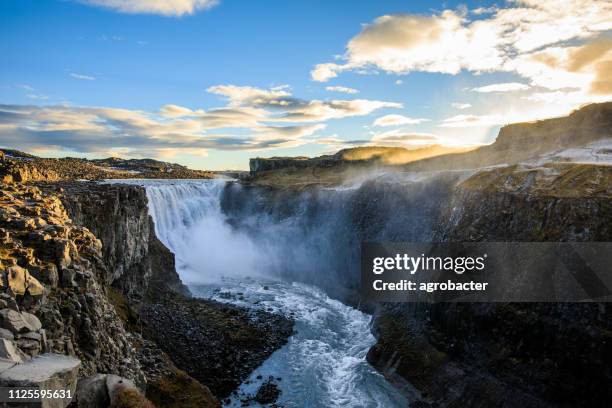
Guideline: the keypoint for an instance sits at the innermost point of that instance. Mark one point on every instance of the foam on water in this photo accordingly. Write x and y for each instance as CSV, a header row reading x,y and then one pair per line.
x,y
324,363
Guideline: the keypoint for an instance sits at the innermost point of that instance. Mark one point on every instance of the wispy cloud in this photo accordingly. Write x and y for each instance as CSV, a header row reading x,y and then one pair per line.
x,y
400,137
280,106
459,105
502,87
397,120
82,77
253,119
162,7
37,96
341,89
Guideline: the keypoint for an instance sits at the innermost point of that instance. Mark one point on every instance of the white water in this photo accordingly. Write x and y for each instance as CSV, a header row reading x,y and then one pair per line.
x,y
323,364
189,221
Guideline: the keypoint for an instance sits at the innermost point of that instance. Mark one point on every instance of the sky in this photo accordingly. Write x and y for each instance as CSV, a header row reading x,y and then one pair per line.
x,y
212,83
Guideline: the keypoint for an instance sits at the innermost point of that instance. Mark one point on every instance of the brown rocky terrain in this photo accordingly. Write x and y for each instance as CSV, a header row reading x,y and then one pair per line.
x,y
332,170
81,269
24,167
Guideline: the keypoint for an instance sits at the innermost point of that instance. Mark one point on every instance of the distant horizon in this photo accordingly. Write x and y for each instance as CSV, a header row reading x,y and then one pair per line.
x,y
209,84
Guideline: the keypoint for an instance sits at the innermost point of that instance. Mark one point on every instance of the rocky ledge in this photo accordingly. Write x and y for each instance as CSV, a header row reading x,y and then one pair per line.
x,y
88,292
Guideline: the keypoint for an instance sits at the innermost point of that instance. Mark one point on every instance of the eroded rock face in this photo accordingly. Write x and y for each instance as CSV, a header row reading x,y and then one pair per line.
x,y
117,214
51,296
509,355
66,291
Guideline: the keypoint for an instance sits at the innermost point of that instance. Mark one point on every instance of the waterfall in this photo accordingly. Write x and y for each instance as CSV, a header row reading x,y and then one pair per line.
x,y
216,229
189,221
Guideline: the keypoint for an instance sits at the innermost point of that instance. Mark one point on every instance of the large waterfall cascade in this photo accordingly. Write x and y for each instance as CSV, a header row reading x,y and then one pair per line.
x,y
324,363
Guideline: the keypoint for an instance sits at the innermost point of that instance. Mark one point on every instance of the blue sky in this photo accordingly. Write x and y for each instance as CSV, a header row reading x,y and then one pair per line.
x,y
260,78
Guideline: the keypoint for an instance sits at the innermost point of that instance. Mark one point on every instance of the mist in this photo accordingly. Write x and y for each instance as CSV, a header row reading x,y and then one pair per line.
x,y
219,229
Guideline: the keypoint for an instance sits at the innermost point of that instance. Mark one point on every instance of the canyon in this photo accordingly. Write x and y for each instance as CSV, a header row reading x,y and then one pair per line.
x,y
100,272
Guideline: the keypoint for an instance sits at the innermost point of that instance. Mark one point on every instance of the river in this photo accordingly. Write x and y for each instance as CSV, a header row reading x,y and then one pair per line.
x,y
324,362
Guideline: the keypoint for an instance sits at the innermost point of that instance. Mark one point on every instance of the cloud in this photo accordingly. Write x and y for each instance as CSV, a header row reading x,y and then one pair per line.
x,y
325,72
342,89
584,67
253,119
107,130
527,37
404,43
502,87
83,77
162,7
399,137
459,105
277,104
460,121
37,96
240,95
396,120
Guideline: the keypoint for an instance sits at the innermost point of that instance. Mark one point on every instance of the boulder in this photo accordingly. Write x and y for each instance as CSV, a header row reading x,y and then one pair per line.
x,y
103,390
10,301
20,281
19,322
32,321
9,351
92,392
6,334
13,321
47,371
115,383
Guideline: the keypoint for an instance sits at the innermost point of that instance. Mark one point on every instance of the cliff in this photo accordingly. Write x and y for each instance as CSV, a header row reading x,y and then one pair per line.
x,y
84,275
51,269
332,170
138,263
522,141
515,143
508,355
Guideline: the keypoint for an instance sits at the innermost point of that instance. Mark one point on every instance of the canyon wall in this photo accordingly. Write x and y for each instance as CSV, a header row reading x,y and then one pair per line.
x,y
474,355
138,263
516,354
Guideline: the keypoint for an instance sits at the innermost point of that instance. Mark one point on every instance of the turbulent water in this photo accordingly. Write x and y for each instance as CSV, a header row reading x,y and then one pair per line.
x,y
323,364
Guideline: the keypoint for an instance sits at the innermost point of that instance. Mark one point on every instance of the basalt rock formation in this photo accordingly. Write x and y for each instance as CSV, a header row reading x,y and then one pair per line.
x,y
515,354
549,180
81,268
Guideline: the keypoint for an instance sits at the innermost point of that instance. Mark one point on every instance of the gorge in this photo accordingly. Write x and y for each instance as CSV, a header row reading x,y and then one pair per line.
x,y
272,268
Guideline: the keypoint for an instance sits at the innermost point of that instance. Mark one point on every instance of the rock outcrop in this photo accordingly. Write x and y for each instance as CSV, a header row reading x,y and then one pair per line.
x,y
521,141
509,355
515,143
16,166
54,372
52,297
137,262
